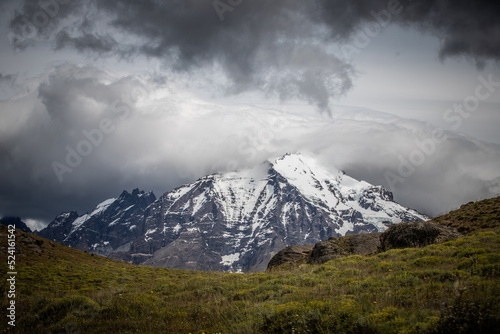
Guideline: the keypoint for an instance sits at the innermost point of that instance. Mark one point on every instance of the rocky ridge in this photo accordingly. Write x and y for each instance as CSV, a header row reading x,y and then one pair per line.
x,y
234,221
108,230
403,235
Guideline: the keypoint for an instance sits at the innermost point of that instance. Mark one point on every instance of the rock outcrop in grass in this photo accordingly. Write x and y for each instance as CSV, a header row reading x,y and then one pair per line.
x,y
291,255
354,244
416,234
402,235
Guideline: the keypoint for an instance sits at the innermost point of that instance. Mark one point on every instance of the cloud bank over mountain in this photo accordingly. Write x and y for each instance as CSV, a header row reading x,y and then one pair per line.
x,y
78,134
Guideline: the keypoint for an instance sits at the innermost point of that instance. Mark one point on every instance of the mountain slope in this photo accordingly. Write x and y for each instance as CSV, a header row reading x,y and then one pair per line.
x,y
443,288
16,221
108,229
473,216
234,221
237,221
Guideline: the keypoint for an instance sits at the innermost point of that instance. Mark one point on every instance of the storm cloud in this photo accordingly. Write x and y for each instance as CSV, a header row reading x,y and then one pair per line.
x,y
281,47
78,134
157,136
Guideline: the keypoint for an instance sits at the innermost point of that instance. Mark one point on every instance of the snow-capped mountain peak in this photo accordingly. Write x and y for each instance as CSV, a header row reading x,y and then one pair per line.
x,y
243,217
237,221
338,192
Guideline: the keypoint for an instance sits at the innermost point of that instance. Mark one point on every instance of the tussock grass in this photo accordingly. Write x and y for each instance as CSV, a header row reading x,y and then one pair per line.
x,y
447,288
473,217
453,287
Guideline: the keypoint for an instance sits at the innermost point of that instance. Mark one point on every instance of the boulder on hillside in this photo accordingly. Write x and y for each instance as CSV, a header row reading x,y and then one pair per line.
x,y
291,255
416,234
354,244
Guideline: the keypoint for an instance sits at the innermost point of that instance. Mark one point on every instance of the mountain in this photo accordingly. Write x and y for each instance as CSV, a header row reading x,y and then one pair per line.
x,y
16,221
109,228
441,288
238,220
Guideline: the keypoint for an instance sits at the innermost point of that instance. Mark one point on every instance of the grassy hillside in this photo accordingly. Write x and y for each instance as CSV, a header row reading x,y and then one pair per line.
x,y
473,217
447,288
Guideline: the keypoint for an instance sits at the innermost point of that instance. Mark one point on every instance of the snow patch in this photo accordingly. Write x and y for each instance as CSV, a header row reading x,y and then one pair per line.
x,y
228,260
146,235
114,222
79,221
197,203
102,207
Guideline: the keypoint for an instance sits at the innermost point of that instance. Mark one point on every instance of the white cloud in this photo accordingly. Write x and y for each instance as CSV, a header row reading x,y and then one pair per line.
x,y
164,136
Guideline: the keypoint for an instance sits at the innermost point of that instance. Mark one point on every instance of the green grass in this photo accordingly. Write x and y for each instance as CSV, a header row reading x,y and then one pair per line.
x,y
473,217
452,287
448,288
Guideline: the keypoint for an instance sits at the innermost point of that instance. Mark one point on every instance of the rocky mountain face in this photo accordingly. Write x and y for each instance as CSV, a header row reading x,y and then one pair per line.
x,y
16,221
234,221
110,228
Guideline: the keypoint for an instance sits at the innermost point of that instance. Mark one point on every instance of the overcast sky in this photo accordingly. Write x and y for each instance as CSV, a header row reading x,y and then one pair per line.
x,y
101,96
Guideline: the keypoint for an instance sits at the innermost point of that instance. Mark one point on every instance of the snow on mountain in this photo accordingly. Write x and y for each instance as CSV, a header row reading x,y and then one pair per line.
x,y
106,229
238,220
336,191
234,221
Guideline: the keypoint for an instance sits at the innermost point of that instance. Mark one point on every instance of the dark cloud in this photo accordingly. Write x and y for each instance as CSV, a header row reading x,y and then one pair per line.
x,y
468,28
35,20
8,85
98,44
280,47
253,40
7,78
249,38
50,114
164,137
